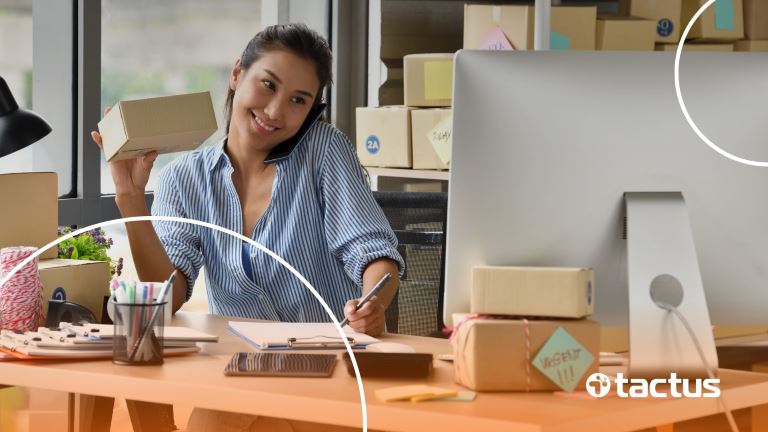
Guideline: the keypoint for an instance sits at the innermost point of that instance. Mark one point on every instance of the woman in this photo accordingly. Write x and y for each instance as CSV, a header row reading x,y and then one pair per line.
x,y
313,208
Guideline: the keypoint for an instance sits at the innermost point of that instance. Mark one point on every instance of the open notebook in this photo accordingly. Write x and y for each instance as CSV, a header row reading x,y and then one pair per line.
x,y
297,335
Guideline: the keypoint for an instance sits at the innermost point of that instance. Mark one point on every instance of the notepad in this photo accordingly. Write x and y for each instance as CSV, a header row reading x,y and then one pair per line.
x,y
414,393
297,335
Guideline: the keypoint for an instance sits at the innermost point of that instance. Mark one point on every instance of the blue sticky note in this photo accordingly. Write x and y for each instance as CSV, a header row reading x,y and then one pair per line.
x,y
559,41
724,15
563,360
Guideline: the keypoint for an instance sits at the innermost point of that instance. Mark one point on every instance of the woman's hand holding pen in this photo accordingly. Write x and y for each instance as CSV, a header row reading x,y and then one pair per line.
x,y
129,175
369,319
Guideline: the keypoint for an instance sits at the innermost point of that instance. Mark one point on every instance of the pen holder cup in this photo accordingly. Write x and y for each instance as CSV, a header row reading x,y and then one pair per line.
x,y
138,337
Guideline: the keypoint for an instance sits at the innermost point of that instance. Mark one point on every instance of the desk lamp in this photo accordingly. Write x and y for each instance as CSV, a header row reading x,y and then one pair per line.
x,y
18,127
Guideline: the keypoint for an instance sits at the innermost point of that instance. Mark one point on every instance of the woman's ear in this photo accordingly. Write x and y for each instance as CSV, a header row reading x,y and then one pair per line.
x,y
234,76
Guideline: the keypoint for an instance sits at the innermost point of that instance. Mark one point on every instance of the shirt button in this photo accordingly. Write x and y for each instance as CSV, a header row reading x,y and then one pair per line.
x,y
261,297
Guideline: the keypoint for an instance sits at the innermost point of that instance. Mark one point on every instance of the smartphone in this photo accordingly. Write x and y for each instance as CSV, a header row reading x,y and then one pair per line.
x,y
280,364
390,365
284,149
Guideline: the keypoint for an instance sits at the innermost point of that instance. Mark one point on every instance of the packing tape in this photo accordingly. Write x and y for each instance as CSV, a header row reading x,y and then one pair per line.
x,y
496,10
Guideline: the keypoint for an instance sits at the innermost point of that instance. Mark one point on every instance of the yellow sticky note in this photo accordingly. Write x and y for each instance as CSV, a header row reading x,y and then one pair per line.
x,y
440,138
438,79
414,393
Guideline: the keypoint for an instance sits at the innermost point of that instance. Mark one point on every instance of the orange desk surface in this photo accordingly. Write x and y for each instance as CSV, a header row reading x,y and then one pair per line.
x,y
198,380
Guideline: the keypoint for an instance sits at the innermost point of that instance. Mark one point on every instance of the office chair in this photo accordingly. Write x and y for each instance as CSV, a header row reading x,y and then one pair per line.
x,y
418,220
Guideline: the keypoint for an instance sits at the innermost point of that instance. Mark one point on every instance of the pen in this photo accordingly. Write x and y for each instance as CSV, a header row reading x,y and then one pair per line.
x,y
379,285
146,333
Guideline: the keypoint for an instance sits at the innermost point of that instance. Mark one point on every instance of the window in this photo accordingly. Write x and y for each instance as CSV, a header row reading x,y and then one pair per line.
x,y
152,48
16,67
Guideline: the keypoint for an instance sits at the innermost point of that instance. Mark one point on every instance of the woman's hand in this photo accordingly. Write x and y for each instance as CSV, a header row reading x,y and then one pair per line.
x,y
369,319
129,175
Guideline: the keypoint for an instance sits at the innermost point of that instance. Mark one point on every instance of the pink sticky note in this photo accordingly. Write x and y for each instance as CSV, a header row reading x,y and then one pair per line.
x,y
497,40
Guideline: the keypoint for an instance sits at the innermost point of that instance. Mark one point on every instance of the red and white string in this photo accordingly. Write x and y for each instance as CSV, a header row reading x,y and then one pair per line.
x,y
21,297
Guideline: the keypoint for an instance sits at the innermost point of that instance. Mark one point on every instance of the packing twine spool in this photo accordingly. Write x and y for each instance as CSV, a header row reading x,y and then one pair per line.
x,y
21,297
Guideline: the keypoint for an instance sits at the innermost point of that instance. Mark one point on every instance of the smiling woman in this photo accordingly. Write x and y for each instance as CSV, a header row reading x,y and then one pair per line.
x,y
312,207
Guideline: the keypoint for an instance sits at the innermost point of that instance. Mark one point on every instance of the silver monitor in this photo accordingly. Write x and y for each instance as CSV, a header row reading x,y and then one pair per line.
x,y
546,144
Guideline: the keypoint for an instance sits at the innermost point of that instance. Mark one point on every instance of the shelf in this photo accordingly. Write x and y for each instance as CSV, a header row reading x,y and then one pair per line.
x,y
408,173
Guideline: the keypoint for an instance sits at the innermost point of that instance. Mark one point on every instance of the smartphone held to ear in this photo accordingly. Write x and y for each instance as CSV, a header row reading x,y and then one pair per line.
x,y
284,149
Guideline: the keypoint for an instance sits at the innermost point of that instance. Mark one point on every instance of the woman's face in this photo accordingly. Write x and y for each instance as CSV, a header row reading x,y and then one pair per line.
x,y
272,98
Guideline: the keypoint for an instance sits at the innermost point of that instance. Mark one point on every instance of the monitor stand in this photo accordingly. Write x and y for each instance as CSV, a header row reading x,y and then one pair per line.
x,y
662,261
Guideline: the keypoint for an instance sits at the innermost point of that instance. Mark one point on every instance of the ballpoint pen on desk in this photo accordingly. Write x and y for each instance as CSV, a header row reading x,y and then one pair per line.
x,y
146,333
378,287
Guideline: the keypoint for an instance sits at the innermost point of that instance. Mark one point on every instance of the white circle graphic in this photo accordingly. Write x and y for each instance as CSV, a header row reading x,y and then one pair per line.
x,y
680,101
285,264
598,385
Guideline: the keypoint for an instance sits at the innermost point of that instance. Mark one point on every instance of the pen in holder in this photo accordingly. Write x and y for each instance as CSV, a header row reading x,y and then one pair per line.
x,y
138,337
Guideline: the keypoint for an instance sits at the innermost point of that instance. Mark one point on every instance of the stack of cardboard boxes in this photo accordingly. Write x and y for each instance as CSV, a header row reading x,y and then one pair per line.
x,y
720,28
527,330
30,218
418,134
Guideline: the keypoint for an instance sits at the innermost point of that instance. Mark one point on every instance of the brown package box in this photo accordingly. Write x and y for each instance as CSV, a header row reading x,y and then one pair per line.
x,y
575,25
84,282
490,354
166,124
384,136
751,45
667,15
616,33
30,210
696,47
711,26
428,80
756,19
422,122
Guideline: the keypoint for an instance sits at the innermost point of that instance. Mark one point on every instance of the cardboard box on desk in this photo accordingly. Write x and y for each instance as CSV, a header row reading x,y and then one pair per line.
x,y
30,210
720,21
428,80
426,135
491,354
533,291
384,136
667,15
166,124
618,33
573,27
84,282
756,19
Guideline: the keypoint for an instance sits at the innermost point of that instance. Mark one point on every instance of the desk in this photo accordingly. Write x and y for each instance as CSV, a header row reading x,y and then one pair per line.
x,y
198,380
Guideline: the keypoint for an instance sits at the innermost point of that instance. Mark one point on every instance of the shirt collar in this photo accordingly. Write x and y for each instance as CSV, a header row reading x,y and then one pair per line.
x,y
218,154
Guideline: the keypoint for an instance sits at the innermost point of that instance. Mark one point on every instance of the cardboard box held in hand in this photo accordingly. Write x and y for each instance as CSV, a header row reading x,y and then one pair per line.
x,y
166,124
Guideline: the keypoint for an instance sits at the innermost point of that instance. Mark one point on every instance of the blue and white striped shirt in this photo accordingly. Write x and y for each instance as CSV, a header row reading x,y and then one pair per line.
x,y
322,219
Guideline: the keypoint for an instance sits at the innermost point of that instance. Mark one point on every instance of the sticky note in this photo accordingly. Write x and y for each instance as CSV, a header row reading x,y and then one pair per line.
x,y
414,393
559,41
438,79
440,138
497,40
724,19
563,360
463,396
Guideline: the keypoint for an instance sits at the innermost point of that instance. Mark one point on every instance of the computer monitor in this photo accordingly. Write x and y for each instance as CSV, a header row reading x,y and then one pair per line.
x,y
546,144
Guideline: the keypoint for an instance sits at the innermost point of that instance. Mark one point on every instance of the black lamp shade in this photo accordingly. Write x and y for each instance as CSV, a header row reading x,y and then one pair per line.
x,y
18,127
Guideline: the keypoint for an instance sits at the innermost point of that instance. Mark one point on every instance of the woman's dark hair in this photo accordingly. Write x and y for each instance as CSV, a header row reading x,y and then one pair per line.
x,y
294,37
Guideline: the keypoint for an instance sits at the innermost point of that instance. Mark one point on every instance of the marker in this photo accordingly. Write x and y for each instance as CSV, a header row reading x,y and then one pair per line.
x,y
379,285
